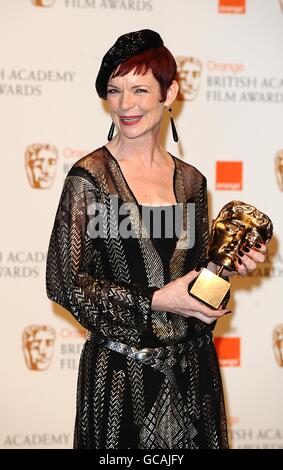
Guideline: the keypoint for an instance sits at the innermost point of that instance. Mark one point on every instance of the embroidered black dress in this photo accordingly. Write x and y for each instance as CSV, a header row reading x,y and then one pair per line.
x,y
171,399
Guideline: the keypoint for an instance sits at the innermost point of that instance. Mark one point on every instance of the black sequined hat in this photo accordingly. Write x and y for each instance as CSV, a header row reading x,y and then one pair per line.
x,y
126,46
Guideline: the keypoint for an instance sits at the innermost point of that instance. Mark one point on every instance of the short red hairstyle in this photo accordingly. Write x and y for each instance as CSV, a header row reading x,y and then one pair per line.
x,y
159,60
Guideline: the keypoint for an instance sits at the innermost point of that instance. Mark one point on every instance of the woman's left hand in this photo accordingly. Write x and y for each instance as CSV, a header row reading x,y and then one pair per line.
x,y
248,258
246,262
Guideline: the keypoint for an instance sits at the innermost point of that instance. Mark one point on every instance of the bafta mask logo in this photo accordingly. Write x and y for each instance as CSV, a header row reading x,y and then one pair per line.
x,y
232,6
38,346
43,3
279,168
40,163
278,344
236,225
189,73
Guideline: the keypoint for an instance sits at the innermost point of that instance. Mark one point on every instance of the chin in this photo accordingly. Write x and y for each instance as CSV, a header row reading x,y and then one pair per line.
x,y
131,135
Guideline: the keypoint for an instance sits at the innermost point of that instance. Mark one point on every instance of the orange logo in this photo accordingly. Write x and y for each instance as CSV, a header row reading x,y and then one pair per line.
x,y
228,351
189,73
278,344
229,176
232,6
38,345
40,162
43,3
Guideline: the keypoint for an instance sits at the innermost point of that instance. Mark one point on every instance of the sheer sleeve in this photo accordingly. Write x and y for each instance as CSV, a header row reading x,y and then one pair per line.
x,y
71,258
201,220
204,220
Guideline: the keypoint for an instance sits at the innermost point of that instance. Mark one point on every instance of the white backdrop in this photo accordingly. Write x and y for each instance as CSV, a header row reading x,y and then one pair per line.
x,y
230,126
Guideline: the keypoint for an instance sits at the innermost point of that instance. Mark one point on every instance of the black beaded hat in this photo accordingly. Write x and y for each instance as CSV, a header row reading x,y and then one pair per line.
x,y
126,46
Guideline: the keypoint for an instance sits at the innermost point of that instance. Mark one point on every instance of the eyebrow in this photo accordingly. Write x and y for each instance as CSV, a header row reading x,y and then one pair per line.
x,y
141,86
134,86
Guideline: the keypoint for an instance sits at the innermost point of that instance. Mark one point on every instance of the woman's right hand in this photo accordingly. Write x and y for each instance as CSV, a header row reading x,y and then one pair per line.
x,y
174,297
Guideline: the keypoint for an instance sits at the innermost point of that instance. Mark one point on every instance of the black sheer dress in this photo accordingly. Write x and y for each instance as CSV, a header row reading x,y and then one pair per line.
x,y
147,379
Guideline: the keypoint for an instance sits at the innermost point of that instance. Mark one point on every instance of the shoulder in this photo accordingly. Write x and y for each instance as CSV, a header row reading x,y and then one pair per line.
x,y
87,174
189,171
93,163
92,169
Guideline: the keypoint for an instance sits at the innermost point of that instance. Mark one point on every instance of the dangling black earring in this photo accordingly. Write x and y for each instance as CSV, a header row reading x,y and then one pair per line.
x,y
111,131
174,132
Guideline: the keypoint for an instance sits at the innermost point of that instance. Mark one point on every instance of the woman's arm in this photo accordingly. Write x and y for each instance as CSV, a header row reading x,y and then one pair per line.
x,y
72,253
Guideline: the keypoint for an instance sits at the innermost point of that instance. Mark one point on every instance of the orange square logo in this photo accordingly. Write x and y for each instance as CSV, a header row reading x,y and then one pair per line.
x,y
232,6
229,176
228,351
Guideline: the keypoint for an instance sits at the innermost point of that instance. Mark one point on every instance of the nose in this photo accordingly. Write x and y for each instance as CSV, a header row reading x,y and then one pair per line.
x,y
127,100
45,166
42,348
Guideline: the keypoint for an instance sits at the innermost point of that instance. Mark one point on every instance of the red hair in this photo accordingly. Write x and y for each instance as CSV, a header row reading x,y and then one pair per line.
x,y
159,60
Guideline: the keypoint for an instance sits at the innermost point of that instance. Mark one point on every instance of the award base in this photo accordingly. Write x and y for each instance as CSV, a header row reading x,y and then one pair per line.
x,y
209,288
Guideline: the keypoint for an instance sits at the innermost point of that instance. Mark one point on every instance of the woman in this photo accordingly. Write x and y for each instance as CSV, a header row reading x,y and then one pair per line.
x,y
149,375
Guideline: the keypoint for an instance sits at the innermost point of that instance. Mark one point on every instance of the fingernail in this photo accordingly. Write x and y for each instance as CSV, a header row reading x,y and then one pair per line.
x,y
257,245
240,253
240,261
246,249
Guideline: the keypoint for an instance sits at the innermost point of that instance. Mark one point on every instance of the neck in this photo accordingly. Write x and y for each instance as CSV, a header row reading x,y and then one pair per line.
x,y
144,151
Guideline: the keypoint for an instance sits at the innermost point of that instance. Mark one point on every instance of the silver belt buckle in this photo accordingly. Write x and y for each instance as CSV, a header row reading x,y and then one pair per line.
x,y
145,355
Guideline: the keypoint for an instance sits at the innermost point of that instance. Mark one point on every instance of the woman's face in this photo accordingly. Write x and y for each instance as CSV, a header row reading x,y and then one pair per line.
x,y
134,103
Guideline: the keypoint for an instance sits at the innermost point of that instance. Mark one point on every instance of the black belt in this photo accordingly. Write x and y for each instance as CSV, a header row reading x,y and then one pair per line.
x,y
160,358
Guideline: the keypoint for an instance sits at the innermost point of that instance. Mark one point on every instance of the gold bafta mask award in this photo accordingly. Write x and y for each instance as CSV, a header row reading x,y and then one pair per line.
x,y
237,225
